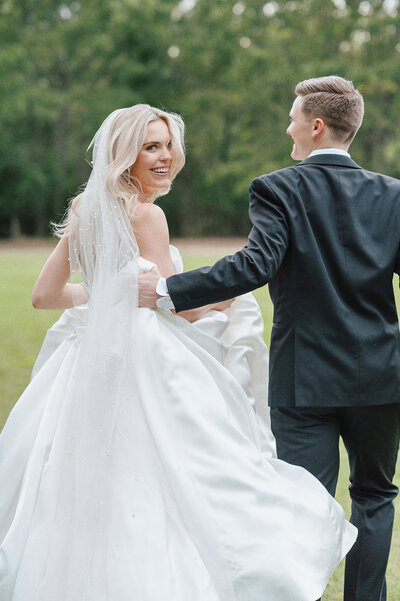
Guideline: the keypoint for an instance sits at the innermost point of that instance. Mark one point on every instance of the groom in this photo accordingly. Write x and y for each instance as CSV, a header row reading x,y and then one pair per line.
x,y
325,237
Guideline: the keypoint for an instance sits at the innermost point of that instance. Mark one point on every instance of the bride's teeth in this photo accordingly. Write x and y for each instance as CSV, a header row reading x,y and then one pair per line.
x,y
162,170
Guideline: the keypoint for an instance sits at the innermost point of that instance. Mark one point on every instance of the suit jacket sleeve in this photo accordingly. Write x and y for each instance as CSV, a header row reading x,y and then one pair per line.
x,y
249,268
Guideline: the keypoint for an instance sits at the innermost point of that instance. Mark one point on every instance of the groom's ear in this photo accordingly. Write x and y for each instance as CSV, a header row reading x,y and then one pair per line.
x,y
318,127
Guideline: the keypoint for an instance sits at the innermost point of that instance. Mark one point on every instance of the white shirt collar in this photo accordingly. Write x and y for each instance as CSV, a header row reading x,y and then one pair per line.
x,y
329,151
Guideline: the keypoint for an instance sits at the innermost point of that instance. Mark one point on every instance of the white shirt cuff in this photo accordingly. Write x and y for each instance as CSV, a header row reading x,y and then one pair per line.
x,y
165,301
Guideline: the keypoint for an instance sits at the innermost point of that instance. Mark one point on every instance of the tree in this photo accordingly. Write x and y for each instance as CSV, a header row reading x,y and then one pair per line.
x,y
229,67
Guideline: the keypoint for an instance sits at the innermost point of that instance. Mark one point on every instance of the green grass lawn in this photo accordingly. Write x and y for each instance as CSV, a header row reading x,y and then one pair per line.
x,y
22,330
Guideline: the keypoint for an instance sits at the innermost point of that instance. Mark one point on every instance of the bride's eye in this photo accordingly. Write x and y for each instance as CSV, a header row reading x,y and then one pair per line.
x,y
151,147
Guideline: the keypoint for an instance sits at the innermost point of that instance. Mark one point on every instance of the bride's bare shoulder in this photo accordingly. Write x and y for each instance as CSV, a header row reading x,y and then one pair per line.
x,y
151,231
149,217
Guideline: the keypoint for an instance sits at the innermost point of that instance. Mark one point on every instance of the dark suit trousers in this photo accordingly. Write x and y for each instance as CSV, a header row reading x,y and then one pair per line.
x,y
309,436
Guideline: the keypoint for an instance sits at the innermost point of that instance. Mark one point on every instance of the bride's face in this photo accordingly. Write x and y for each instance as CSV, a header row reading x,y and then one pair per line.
x,y
153,163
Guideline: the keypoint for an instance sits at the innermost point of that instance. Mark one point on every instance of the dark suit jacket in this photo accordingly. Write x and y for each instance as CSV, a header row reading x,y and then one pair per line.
x,y
325,237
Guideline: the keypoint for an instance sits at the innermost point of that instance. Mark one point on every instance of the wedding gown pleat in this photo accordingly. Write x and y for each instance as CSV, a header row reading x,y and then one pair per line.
x,y
201,509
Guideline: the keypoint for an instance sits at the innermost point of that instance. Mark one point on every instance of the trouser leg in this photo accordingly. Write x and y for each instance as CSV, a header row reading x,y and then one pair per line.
x,y
371,436
309,437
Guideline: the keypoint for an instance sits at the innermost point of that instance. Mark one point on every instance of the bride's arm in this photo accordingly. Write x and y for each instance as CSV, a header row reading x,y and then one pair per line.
x,y
195,314
52,289
152,235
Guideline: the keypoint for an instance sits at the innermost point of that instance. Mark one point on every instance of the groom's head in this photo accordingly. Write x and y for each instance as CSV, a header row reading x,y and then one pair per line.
x,y
326,114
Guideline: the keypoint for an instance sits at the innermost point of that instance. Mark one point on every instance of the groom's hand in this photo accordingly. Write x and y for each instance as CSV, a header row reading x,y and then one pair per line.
x,y
147,288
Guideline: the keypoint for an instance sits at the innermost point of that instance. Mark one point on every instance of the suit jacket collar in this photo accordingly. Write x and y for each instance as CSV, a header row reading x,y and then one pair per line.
x,y
330,159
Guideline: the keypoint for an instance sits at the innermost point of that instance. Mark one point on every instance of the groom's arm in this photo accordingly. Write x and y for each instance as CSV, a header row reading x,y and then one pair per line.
x,y
249,268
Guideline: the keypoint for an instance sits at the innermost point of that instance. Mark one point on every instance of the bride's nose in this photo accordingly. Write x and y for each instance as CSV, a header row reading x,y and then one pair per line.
x,y
166,154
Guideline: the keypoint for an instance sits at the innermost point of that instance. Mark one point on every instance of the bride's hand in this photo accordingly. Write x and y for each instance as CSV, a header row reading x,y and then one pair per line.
x,y
194,314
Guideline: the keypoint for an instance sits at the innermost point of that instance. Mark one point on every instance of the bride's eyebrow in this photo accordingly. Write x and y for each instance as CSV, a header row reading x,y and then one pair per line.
x,y
156,142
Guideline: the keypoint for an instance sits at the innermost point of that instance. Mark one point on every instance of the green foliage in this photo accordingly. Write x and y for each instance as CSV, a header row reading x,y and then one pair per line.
x,y
229,67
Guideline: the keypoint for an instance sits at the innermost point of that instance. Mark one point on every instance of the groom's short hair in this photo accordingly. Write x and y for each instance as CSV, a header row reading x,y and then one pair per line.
x,y
336,101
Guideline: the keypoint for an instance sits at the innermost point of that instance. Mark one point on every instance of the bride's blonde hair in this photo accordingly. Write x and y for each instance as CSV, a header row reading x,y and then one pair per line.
x,y
127,135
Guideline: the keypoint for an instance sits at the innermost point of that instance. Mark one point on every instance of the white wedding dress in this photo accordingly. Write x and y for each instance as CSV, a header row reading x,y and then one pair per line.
x,y
201,509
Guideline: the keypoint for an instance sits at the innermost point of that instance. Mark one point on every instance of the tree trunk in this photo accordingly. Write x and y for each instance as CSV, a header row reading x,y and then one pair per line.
x,y
15,227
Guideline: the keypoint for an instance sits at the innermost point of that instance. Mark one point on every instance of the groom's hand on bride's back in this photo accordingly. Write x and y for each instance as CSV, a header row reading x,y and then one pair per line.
x,y
147,288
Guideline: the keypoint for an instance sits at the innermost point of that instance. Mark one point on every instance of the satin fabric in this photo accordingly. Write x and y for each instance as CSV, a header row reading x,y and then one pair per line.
x,y
202,509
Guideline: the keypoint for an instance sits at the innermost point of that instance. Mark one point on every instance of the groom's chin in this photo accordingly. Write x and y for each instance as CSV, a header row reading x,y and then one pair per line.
x,y
293,154
296,155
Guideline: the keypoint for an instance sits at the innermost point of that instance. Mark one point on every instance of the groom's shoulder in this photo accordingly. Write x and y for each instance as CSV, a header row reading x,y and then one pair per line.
x,y
382,177
279,177
384,186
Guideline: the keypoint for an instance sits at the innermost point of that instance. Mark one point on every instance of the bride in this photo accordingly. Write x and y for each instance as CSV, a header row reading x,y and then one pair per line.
x,y
137,465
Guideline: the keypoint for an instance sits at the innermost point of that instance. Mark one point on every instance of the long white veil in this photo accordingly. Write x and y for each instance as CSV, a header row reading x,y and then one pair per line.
x,y
103,249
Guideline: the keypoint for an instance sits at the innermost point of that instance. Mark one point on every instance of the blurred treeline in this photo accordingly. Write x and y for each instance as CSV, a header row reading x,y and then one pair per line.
x,y
228,67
